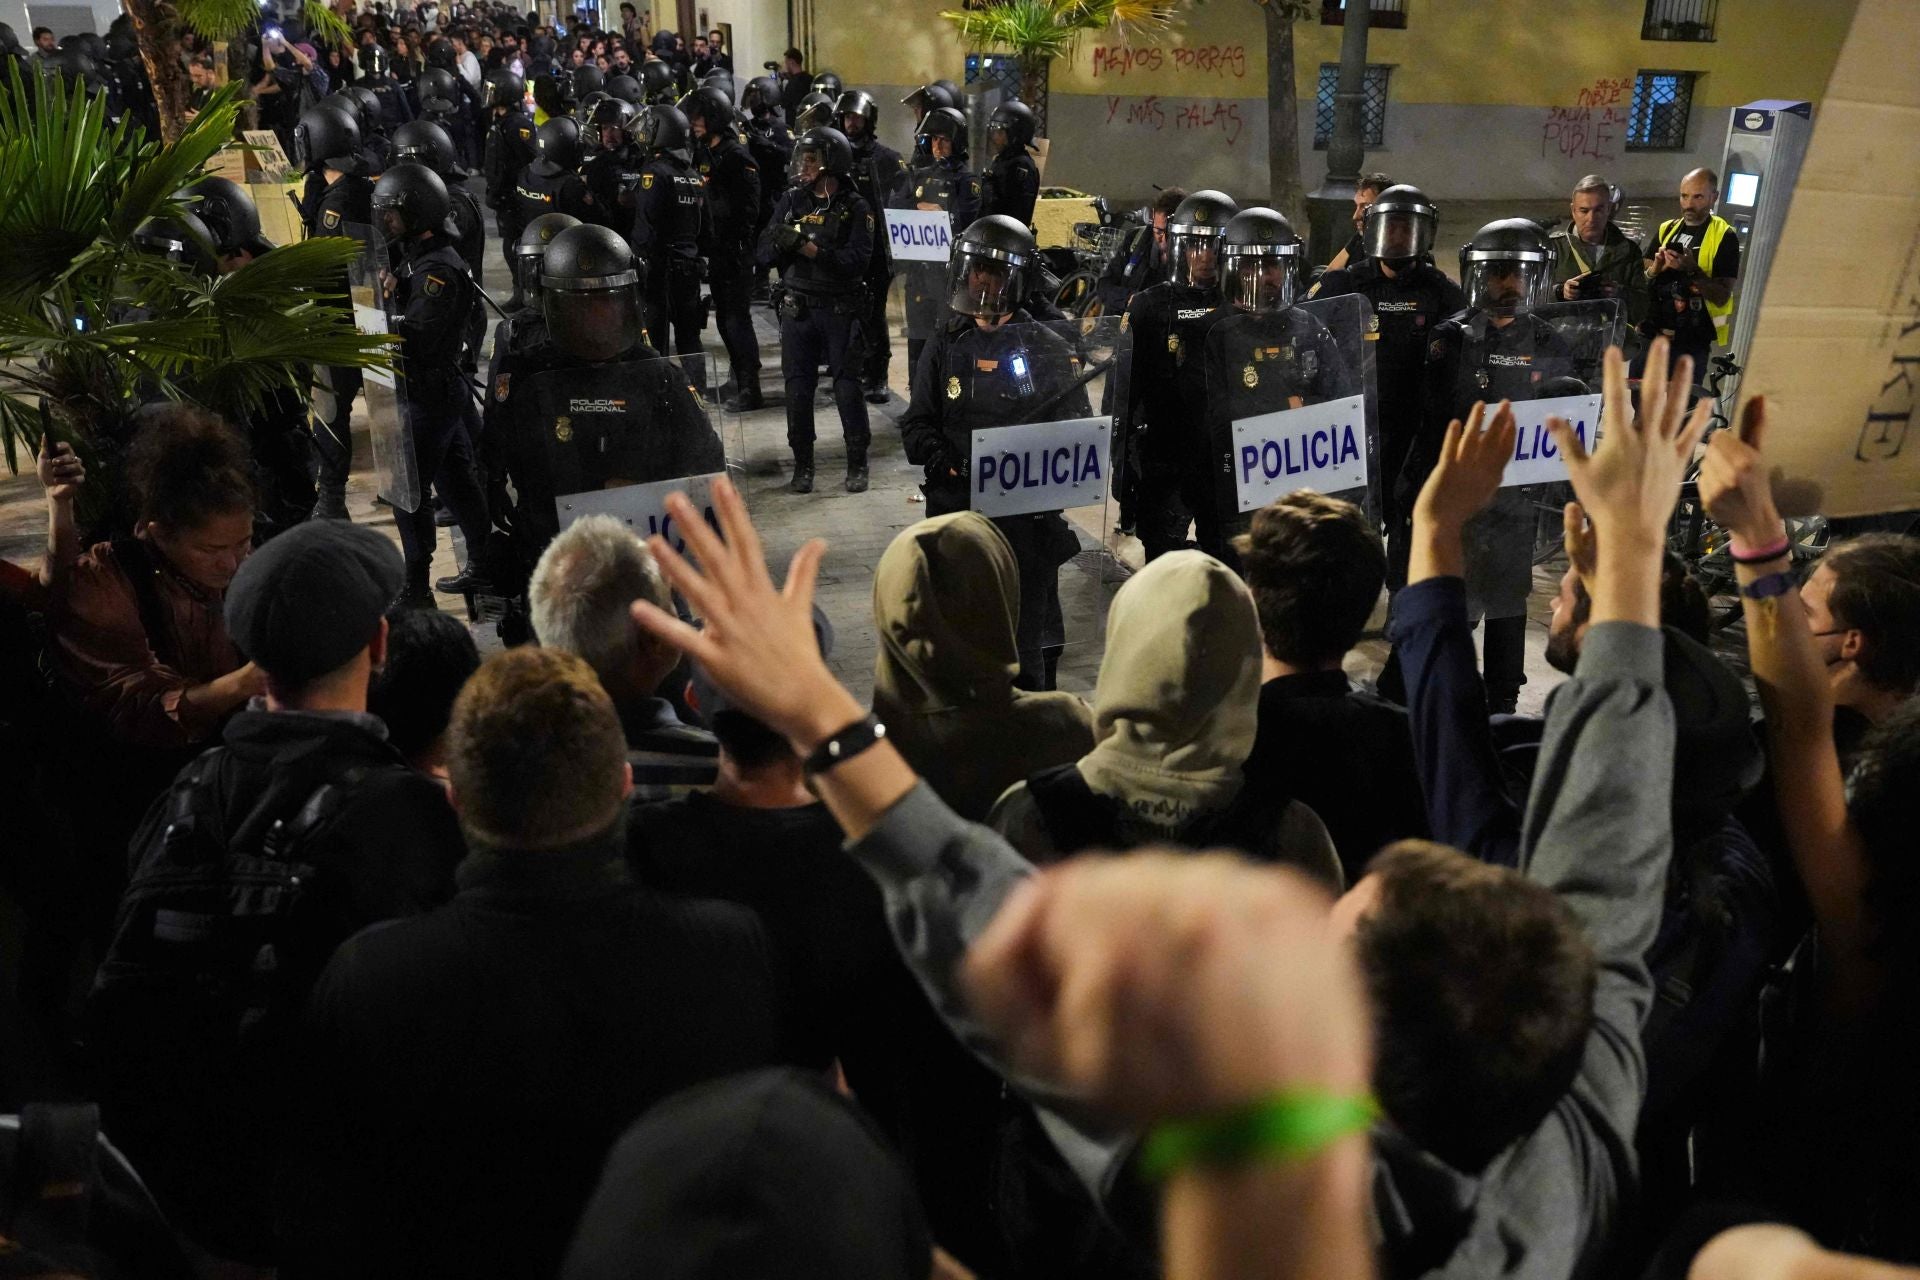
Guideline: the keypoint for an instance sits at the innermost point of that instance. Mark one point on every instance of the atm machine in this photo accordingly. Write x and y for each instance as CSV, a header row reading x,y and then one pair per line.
x,y
1766,141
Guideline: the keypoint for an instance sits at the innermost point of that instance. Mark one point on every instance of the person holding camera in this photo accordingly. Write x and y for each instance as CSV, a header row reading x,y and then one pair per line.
x,y
286,79
1594,258
1691,267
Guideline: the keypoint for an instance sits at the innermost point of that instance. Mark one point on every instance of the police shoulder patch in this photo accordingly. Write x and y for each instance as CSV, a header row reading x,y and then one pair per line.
x,y
646,181
500,388
526,135
330,219
434,285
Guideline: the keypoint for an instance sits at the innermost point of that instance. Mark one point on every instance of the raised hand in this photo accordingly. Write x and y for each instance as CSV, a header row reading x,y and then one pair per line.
x,y
1734,483
1473,458
60,470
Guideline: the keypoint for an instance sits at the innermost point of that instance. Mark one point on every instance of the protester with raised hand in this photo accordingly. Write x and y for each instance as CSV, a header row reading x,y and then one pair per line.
x,y
1831,1142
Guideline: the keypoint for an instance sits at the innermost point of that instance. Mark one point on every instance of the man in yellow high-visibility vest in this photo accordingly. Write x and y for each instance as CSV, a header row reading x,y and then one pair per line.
x,y
1692,263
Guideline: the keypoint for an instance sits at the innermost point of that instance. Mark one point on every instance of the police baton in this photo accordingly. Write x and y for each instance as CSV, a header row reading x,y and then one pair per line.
x,y
1094,370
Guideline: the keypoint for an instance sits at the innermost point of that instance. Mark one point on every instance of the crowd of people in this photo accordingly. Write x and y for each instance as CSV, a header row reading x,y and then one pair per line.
x,y
649,949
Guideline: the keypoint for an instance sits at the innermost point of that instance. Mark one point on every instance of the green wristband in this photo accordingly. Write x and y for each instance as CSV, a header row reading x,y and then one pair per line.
x,y
1289,1125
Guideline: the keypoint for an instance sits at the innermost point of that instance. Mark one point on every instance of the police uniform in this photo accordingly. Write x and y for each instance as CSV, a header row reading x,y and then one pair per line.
x,y
877,173
611,176
335,209
1167,454
395,110
1470,358
1011,185
820,309
1137,266
947,184
732,177
671,226
770,143
433,298
971,379
536,193
509,152
1408,307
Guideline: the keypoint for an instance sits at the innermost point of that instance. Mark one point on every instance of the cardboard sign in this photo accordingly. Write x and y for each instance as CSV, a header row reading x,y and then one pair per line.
x,y
1040,466
643,507
1322,447
1536,459
1836,349
919,235
265,161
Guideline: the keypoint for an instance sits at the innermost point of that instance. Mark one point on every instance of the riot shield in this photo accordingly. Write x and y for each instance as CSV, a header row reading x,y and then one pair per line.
x,y
1547,362
389,429
1021,441
1290,404
920,231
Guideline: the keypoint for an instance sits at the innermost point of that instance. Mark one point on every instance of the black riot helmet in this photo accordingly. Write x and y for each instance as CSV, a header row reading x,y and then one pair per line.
x,y
184,239
719,78
857,102
953,91
763,94
367,105
372,61
1507,268
1399,226
1193,237
327,137
502,88
228,213
1011,125
942,122
656,80
588,79
88,43
590,293
410,198
530,252
711,107
611,113
991,260
10,43
72,65
1259,261
438,91
427,142
663,130
815,112
927,98
827,148
828,83
627,89
440,55
556,146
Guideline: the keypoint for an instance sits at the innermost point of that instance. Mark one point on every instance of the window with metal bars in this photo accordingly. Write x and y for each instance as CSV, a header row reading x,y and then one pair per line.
x,y
1662,101
1373,113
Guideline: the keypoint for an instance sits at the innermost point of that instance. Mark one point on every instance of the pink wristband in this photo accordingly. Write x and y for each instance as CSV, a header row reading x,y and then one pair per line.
x,y
1772,551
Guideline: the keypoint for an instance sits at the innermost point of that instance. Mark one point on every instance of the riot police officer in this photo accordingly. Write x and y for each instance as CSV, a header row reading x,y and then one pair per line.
x,y
1497,349
732,179
877,174
336,200
1164,456
939,181
770,142
821,239
1262,355
509,150
657,84
929,97
628,90
816,112
375,149
437,96
1410,297
549,184
594,407
613,170
989,366
376,79
425,142
553,95
1012,180
429,309
671,228
588,79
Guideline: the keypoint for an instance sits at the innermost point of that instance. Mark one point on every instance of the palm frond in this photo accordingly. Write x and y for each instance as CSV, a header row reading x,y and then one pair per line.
x,y
157,177
1051,28
225,19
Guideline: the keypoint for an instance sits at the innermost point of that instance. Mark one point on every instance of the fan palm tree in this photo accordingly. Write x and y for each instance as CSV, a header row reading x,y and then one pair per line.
x,y
159,24
91,325
1038,31
1285,191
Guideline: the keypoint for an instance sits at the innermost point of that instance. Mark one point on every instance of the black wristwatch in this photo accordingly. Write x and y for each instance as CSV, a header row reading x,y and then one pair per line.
x,y
845,745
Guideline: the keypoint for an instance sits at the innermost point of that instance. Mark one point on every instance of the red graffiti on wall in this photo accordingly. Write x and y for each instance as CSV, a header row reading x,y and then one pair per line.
x,y
1218,59
1196,116
1592,125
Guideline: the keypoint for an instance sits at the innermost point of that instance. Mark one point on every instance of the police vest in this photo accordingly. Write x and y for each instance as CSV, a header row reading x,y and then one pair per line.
x,y
1000,378
1717,227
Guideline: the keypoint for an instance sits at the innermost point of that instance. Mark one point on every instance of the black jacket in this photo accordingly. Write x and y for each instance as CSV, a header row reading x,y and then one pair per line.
x,y
1012,185
467,1071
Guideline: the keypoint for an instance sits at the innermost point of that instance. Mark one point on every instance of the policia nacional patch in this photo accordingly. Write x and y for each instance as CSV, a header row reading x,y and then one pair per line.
x,y
953,388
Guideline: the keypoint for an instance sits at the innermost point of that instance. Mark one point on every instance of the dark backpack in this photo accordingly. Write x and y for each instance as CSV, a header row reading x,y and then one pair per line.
x,y
70,1205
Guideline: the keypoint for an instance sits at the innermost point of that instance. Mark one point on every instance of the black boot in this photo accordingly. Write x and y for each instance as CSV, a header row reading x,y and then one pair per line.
x,y
856,472
330,504
747,399
802,481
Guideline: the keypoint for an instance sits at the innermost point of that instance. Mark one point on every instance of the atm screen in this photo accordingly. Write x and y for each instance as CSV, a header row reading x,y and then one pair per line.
x,y
1743,189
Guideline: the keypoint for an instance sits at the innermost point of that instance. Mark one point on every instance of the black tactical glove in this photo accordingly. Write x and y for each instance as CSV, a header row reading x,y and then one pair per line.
x,y
788,238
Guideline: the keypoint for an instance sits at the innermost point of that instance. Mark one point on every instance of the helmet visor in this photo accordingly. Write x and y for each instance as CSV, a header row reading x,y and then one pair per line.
x,y
985,282
595,324
1398,235
807,164
1259,278
1506,286
1193,257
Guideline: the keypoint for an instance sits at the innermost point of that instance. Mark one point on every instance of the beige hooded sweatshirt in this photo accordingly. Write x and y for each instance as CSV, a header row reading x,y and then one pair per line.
x,y
946,595
1174,714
